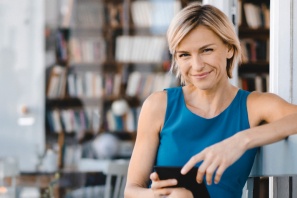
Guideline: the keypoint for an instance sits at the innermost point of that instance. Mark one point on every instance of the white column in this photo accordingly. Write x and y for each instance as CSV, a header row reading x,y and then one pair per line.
x,y
283,76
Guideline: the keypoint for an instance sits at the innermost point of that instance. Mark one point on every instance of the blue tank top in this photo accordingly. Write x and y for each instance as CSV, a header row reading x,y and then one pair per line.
x,y
185,134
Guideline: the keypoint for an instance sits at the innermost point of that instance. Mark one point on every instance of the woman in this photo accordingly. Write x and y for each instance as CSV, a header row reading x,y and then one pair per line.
x,y
208,122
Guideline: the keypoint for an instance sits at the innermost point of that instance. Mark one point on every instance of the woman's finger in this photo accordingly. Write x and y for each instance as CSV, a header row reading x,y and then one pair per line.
x,y
191,163
202,170
154,176
219,173
157,184
210,172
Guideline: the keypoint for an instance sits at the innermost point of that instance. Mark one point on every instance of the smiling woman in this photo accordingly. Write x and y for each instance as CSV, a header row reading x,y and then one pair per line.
x,y
201,56
215,21
207,122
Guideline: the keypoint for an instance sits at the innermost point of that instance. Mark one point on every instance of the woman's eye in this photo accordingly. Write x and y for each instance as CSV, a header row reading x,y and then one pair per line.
x,y
208,50
182,55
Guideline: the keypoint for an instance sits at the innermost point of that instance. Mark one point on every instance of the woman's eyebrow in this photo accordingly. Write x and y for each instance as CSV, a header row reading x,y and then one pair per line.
x,y
206,46
202,47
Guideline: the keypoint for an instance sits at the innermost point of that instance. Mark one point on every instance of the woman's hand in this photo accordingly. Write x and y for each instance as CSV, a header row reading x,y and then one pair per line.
x,y
217,157
180,193
161,187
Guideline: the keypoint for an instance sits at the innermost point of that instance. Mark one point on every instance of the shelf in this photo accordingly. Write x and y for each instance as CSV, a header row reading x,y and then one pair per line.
x,y
123,135
259,33
257,67
102,46
71,102
63,102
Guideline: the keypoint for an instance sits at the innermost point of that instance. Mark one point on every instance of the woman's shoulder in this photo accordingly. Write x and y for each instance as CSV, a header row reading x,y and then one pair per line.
x,y
263,100
156,100
268,106
264,97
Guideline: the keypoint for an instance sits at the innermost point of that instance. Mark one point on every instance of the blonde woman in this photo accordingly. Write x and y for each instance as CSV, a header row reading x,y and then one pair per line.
x,y
208,122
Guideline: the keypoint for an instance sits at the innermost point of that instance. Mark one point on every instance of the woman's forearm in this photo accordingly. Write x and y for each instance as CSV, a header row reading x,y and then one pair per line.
x,y
136,192
269,133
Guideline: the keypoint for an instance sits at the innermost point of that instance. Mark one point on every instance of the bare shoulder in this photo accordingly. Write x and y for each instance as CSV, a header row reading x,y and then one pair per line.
x,y
256,96
154,108
268,107
156,100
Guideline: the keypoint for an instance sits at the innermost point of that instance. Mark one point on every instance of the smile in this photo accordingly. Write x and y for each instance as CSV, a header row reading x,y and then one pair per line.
x,y
201,75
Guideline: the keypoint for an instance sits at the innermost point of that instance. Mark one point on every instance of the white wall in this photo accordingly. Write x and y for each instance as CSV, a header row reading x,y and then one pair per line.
x,y
22,80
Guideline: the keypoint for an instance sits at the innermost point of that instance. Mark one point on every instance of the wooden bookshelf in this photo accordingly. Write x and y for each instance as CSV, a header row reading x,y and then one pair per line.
x,y
254,37
254,71
105,51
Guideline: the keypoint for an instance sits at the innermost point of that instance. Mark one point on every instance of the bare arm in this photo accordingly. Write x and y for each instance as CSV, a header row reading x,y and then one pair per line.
x,y
150,123
280,117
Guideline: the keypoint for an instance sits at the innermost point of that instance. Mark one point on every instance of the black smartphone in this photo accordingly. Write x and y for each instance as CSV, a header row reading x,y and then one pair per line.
x,y
187,181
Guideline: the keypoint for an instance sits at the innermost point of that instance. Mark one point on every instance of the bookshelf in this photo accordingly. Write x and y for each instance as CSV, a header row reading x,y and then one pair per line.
x,y
109,56
253,32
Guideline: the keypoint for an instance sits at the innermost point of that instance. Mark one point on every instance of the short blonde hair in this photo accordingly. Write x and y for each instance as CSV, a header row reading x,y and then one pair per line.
x,y
211,17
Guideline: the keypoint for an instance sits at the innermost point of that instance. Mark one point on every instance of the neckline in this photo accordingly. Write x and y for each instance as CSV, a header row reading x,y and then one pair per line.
x,y
228,107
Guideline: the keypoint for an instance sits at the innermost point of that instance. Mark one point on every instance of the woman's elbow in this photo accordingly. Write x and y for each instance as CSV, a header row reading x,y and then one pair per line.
x,y
127,192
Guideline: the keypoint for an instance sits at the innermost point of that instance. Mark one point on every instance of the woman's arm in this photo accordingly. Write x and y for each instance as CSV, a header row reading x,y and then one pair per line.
x,y
280,117
151,120
150,123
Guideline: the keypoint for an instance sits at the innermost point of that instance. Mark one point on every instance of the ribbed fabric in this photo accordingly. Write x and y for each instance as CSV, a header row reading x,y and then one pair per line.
x,y
185,134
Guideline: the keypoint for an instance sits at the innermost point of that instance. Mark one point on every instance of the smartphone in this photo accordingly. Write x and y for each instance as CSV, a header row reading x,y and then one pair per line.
x,y
187,181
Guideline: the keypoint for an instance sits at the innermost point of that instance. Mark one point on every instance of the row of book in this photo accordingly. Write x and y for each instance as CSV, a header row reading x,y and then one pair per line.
x,y
254,82
90,14
94,85
257,16
93,14
126,122
87,50
74,120
154,13
141,49
142,84
82,84
255,50
82,14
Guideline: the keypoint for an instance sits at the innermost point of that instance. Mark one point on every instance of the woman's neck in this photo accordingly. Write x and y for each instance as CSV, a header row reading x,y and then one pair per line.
x,y
209,103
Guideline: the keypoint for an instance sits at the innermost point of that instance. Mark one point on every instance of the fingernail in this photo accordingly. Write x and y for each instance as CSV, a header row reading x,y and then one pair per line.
x,y
183,171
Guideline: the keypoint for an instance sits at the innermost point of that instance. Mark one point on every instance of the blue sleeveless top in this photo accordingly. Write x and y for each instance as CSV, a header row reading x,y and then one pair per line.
x,y
185,134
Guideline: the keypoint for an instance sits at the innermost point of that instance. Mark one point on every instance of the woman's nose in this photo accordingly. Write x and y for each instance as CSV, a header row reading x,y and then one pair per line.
x,y
197,62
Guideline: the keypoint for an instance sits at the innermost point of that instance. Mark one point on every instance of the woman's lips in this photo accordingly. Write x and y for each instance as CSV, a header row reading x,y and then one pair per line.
x,y
201,75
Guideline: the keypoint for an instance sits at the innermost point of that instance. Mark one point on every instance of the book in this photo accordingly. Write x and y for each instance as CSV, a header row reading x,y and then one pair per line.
x,y
67,11
133,82
258,83
56,86
253,15
56,118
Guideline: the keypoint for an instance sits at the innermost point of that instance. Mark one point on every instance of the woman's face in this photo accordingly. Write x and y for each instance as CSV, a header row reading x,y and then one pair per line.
x,y
202,58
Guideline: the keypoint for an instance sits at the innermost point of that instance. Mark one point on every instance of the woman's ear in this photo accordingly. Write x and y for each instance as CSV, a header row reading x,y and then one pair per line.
x,y
230,52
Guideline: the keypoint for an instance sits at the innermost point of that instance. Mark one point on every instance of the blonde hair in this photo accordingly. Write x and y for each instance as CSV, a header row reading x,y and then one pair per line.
x,y
211,17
